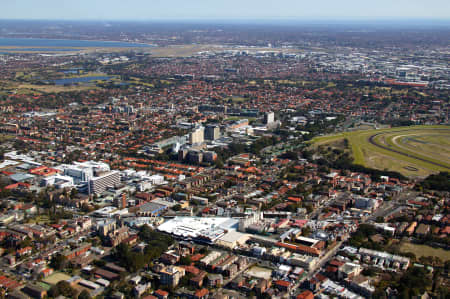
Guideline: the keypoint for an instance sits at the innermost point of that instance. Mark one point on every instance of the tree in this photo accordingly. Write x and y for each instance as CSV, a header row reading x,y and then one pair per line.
x,y
219,162
368,271
185,260
84,295
437,182
59,262
73,192
379,219
133,261
99,263
53,292
65,289
411,255
306,231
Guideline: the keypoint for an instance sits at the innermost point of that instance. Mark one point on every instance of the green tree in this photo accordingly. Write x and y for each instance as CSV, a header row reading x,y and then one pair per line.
x,y
379,219
84,295
59,262
185,260
65,289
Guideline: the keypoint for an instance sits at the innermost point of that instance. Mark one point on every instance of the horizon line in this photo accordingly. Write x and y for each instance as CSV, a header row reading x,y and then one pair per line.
x,y
243,18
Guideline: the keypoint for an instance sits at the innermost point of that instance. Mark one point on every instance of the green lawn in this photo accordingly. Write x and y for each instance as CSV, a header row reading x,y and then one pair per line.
x,y
425,250
363,151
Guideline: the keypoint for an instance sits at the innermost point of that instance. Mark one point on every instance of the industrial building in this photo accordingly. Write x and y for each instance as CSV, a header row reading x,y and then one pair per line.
x,y
206,230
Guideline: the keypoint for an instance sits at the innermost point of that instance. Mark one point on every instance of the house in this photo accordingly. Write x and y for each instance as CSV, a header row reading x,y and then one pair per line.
x,y
422,229
237,282
169,258
314,283
362,285
305,295
191,270
8,283
262,286
283,285
118,295
77,251
47,272
23,251
141,289
201,294
214,280
197,281
161,294
349,270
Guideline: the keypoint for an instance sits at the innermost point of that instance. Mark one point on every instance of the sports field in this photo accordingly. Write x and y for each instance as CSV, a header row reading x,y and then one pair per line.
x,y
414,151
55,278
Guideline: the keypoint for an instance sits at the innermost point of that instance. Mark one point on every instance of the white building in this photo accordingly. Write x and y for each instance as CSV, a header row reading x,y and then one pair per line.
x,y
83,171
101,183
197,136
59,181
269,118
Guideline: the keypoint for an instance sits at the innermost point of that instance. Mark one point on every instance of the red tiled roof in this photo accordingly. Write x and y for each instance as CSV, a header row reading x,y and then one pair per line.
x,y
305,295
161,292
299,248
283,283
201,293
294,199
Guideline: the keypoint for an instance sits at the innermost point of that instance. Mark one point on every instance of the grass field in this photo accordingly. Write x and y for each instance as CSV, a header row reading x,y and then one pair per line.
x,y
238,100
4,138
52,88
241,117
44,285
415,151
55,278
425,250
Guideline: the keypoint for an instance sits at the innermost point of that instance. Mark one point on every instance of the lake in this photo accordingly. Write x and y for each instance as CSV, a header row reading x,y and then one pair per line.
x,y
46,43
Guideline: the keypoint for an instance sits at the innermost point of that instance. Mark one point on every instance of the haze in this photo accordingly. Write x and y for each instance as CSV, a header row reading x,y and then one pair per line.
x,y
229,9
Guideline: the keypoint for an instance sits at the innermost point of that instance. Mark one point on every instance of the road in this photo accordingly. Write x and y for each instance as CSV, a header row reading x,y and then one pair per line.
x,y
325,259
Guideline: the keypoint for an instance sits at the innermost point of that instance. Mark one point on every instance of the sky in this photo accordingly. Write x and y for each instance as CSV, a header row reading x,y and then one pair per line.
x,y
222,9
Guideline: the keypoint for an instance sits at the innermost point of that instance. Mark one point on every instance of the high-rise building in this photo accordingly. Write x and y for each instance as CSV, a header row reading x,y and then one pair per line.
x,y
212,132
269,118
101,183
197,136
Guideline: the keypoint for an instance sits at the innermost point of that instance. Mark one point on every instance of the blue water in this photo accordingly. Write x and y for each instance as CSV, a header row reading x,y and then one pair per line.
x,y
45,42
80,80
42,49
